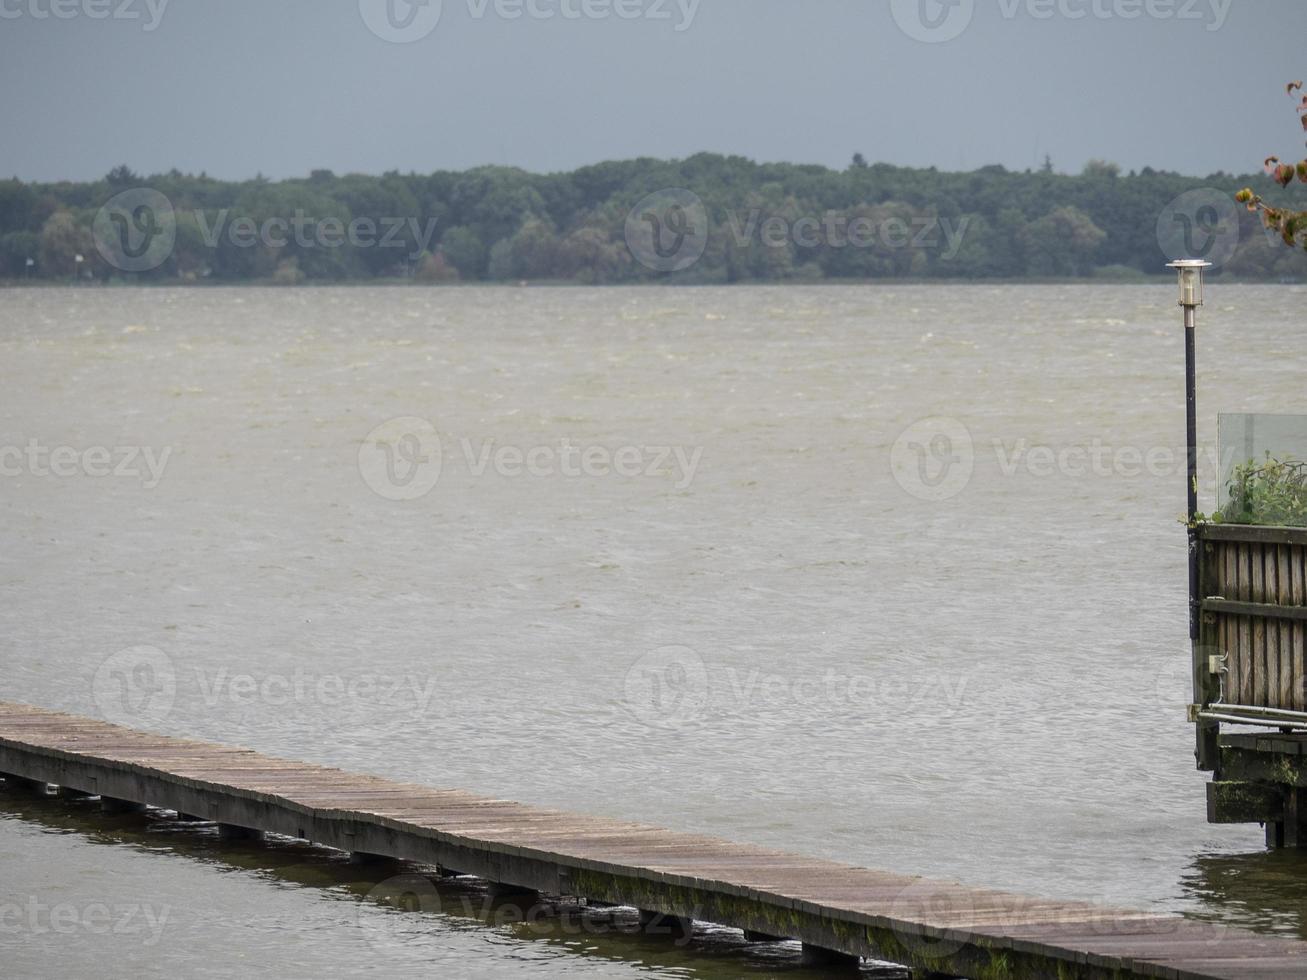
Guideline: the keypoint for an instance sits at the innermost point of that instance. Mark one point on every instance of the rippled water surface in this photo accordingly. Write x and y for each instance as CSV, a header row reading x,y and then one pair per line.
x,y
745,612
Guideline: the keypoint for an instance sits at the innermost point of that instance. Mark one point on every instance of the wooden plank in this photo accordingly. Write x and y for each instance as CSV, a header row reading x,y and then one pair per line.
x,y
1263,610
1223,562
1274,669
1284,641
1230,685
1229,625
1298,596
1243,593
1257,593
1244,649
675,873
1253,533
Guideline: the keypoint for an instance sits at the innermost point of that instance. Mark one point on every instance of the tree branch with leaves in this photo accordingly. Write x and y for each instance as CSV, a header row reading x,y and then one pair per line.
x,y
1289,224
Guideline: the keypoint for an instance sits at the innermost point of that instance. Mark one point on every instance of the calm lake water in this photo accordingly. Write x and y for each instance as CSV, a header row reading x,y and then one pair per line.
x,y
891,575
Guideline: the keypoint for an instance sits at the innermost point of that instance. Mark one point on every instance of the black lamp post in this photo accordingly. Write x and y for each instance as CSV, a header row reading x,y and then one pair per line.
x,y
1191,297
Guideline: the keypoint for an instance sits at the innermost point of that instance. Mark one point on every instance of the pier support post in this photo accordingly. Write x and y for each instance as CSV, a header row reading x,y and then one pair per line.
x,y
68,793
1295,817
661,924
109,804
831,959
1274,834
233,834
24,785
1292,830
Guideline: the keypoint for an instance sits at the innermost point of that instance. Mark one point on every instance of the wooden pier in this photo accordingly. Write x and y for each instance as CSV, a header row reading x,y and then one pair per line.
x,y
839,912
1250,671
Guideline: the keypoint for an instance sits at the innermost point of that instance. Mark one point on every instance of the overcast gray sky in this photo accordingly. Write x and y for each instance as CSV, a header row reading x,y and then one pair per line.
x,y
239,87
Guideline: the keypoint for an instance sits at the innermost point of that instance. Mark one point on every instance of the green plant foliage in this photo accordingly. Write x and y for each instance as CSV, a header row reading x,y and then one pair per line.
x,y
1272,493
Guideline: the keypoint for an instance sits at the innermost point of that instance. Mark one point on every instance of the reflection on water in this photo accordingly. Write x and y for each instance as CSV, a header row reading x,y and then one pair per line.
x,y
404,911
1266,890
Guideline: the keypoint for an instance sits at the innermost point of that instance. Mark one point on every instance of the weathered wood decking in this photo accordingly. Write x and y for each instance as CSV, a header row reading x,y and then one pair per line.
x,y
932,926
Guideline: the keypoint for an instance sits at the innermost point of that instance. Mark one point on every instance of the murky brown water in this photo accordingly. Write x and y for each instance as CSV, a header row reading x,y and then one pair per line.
x,y
688,556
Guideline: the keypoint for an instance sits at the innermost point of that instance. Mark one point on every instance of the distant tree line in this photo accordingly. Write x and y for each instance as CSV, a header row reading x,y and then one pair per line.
x,y
765,222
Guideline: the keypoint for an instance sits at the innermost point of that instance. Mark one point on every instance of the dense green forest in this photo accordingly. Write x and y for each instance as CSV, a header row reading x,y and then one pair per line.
x,y
757,222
